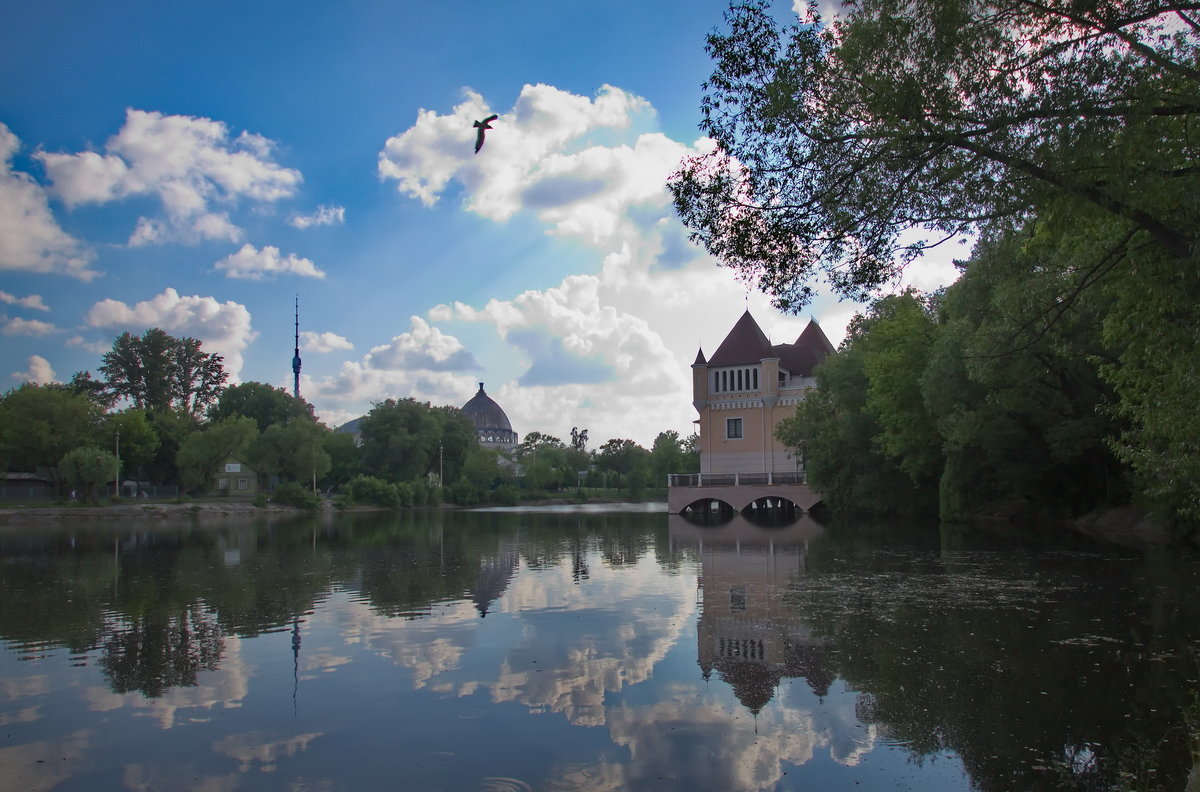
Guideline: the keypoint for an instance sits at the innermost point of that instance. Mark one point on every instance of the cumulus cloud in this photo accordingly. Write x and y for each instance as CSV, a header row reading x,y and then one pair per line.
x,y
194,166
253,264
524,157
322,343
325,215
223,327
26,327
423,363
31,239
33,301
37,370
423,348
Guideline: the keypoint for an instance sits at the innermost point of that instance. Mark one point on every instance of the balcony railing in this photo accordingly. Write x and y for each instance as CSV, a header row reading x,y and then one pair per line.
x,y
734,479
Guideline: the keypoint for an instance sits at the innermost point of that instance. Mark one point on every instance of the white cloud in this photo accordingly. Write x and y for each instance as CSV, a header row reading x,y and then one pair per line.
x,y
37,370
325,215
97,347
33,301
423,348
253,264
423,363
30,238
545,121
322,343
26,327
188,163
223,327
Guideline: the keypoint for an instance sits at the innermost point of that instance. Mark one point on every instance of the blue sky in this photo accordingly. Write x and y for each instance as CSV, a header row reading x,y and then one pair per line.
x,y
198,166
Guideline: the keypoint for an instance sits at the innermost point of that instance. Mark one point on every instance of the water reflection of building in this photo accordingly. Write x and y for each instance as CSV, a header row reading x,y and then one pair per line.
x,y
747,632
495,573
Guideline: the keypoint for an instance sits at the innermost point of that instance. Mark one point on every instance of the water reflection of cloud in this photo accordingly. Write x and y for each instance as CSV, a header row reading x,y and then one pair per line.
x,y
17,688
261,750
225,687
698,745
26,715
44,764
597,651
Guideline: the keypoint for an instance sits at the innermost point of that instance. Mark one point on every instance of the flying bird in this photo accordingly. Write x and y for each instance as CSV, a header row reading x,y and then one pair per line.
x,y
481,126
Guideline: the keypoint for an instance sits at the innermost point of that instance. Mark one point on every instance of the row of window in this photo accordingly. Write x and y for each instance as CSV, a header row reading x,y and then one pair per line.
x,y
242,483
742,379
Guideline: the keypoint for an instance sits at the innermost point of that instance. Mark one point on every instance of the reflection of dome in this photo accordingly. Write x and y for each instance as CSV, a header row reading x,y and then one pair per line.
x,y
491,424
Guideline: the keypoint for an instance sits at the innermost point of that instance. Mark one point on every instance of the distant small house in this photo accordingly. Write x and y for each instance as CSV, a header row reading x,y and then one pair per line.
x,y
236,479
25,486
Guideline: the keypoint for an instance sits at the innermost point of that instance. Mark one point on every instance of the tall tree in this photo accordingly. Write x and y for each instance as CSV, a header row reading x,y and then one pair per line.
x,y
156,371
835,140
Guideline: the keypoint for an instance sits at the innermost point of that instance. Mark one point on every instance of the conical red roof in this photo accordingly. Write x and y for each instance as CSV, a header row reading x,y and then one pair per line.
x,y
746,343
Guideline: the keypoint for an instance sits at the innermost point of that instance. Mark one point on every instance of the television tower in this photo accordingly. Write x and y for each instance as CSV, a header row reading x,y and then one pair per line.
x,y
296,356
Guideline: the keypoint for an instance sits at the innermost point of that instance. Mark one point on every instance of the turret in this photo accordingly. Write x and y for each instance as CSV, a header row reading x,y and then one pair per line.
x,y
700,385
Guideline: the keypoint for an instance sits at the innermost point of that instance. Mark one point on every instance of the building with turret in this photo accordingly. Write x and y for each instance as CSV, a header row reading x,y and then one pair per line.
x,y
745,389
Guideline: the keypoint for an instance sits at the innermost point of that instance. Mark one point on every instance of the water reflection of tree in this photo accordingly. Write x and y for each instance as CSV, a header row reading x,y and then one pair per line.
x,y
1045,675
155,602
153,654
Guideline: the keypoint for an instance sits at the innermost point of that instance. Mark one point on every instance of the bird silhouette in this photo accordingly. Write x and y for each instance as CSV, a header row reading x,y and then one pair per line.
x,y
483,125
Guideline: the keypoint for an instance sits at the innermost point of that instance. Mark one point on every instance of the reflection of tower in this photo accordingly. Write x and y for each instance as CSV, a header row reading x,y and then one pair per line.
x,y
296,356
295,660
746,631
494,574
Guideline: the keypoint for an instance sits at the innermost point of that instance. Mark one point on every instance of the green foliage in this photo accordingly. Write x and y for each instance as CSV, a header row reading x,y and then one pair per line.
x,y
41,423
83,384
671,454
345,460
158,372
895,349
171,427
376,492
88,470
406,440
628,460
835,434
267,405
1153,327
202,454
835,139
138,440
295,451
290,493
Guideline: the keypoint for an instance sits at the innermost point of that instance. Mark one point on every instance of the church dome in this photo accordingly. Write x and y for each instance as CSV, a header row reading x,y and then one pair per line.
x,y
491,424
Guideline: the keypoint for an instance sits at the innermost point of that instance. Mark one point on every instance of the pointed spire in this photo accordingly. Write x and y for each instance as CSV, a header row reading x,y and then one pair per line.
x,y
296,356
700,361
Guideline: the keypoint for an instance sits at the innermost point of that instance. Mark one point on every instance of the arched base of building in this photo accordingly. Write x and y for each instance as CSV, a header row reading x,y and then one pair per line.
x,y
751,500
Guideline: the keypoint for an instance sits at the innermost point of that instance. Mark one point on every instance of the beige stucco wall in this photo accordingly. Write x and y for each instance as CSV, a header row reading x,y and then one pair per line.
x,y
757,450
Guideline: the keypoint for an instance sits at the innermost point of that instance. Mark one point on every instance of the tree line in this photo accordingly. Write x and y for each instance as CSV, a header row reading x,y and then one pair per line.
x,y
161,413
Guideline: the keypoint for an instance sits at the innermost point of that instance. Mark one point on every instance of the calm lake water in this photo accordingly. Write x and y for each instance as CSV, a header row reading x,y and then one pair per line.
x,y
589,651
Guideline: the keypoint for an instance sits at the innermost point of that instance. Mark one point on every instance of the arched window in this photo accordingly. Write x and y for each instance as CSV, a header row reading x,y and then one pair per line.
x,y
739,377
755,379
